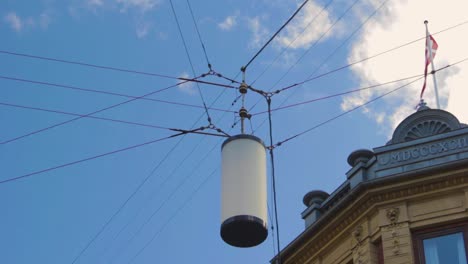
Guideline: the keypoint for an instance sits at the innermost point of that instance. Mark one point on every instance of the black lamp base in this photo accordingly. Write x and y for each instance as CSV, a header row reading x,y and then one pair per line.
x,y
244,231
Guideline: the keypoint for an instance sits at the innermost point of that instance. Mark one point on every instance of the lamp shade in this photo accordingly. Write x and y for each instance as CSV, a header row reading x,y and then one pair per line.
x,y
243,191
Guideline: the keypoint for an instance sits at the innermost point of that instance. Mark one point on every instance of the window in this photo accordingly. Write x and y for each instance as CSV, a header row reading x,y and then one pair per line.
x,y
445,249
380,254
441,245
378,251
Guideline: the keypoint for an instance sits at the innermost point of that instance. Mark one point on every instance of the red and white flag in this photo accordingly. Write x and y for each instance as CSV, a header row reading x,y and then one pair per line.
x,y
431,49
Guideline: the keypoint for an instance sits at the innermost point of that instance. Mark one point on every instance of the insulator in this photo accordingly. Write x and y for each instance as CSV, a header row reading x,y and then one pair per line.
x,y
243,113
243,88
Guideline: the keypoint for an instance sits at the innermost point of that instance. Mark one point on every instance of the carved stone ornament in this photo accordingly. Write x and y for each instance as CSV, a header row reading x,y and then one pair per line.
x,y
393,214
357,251
396,246
357,234
425,123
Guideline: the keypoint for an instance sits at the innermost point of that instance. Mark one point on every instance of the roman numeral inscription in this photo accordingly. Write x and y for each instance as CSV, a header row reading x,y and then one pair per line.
x,y
424,151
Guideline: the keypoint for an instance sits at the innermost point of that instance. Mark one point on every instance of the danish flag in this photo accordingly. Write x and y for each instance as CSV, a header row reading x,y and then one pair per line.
x,y
431,49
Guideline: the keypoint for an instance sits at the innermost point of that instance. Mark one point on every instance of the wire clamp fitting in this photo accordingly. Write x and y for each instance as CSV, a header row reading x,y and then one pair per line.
x,y
244,114
243,88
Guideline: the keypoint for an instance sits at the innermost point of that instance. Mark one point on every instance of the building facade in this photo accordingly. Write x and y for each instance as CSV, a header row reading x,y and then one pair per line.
x,y
404,202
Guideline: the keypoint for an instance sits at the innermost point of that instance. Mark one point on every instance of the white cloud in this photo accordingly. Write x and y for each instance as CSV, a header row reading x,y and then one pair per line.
x,y
402,22
143,29
14,21
95,3
307,27
44,20
20,24
228,23
187,87
259,32
142,5
163,35
136,9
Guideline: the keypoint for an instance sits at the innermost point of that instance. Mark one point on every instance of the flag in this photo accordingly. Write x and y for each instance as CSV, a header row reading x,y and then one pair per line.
x,y
431,48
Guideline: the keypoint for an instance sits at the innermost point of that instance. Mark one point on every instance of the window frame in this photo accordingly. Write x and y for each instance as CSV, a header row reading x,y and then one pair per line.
x,y
432,232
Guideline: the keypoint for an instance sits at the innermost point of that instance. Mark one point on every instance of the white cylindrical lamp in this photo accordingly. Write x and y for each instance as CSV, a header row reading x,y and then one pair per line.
x,y
244,191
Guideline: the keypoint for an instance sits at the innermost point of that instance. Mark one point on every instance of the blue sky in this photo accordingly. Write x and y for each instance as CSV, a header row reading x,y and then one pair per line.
x,y
50,217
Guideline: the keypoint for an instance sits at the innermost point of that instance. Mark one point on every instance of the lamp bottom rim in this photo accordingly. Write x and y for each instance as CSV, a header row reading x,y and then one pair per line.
x,y
244,231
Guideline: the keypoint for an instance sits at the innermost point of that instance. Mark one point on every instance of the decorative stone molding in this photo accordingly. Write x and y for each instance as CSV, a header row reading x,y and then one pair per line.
x,y
427,128
357,251
396,242
424,123
393,214
357,234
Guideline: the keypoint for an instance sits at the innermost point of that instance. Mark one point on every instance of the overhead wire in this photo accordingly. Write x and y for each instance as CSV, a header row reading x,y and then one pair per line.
x,y
160,139
173,215
189,59
217,74
151,173
99,156
96,66
243,69
168,198
364,104
214,101
120,208
91,117
338,94
191,64
126,201
86,159
370,57
204,158
171,194
291,42
303,55
180,164
165,180
344,42
199,163
333,52
273,179
148,219
89,114
274,35
313,44
112,68
137,190
188,56
344,113
199,35
117,94
93,157
211,83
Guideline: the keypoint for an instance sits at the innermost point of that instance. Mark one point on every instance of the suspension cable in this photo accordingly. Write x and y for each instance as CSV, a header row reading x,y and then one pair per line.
x,y
274,35
273,178
189,59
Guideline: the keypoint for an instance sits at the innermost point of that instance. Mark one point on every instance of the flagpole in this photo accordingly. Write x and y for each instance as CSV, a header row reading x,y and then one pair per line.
x,y
432,64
